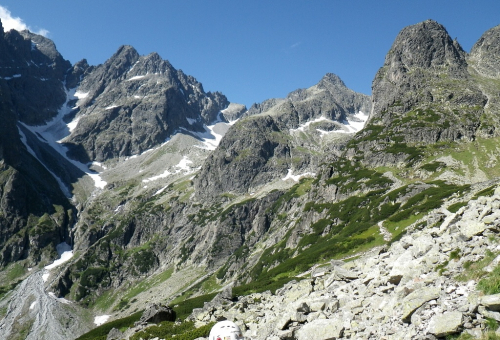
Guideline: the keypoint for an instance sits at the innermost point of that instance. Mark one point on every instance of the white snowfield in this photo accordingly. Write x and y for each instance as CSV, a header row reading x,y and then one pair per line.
x,y
348,126
65,254
99,320
54,133
296,178
182,166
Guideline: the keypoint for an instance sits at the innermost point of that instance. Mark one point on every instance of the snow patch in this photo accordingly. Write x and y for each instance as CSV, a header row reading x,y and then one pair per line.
x,y
99,164
183,165
72,125
135,78
154,178
209,138
80,95
296,178
350,125
14,76
160,191
33,304
62,186
302,127
99,320
56,130
65,253
111,107
62,300
45,276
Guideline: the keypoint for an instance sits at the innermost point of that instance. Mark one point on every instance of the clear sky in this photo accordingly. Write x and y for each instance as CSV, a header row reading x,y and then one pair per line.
x,y
250,50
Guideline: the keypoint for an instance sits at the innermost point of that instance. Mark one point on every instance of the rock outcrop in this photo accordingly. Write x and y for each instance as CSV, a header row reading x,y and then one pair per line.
x,y
34,213
423,94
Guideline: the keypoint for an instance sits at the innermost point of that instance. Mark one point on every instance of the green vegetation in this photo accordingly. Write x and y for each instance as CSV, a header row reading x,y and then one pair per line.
x,y
475,271
353,176
299,189
91,279
486,192
456,206
428,199
453,256
433,167
101,332
490,283
184,330
168,330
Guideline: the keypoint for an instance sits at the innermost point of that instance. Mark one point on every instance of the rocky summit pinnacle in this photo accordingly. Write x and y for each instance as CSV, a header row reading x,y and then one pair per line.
x,y
484,53
424,46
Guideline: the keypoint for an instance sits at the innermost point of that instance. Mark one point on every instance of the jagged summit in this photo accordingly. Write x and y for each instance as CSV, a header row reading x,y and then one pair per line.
x,y
31,64
264,147
484,54
419,52
426,44
132,103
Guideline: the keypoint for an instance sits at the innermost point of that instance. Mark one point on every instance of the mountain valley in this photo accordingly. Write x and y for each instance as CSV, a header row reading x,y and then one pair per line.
x,y
127,184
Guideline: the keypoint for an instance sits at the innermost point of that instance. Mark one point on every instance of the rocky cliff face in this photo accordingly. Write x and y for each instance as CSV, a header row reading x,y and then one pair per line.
x,y
423,94
34,213
483,54
273,138
132,103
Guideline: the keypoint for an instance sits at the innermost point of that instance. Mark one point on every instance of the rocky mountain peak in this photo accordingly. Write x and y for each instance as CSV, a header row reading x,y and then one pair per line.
x,y
419,54
426,44
132,103
484,54
33,68
333,79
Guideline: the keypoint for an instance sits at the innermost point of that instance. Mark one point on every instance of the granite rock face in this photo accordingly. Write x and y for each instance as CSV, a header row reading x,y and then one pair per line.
x,y
32,75
425,46
484,54
35,72
262,147
132,103
423,94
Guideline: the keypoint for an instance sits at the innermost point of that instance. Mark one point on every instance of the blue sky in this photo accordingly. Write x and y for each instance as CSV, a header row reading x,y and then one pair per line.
x,y
251,50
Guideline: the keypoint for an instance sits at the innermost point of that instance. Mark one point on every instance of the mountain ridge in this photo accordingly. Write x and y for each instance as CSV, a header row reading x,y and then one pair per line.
x,y
220,195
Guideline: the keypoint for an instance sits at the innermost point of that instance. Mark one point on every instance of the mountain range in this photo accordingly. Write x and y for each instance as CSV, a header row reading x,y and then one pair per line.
x,y
126,184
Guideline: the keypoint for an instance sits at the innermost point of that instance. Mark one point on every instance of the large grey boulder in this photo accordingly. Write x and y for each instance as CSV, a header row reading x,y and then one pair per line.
x,y
416,299
446,323
491,301
323,329
158,313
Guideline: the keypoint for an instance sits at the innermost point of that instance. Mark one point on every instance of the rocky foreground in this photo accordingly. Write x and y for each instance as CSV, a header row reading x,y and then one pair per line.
x,y
406,291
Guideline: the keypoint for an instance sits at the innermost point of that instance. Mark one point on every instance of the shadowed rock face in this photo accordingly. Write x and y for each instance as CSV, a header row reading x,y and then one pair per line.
x,y
133,103
35,72
32,75
484,54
